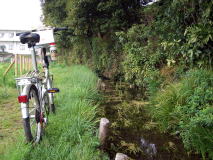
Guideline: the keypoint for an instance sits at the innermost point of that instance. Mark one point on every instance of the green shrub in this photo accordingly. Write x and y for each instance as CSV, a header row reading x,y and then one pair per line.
x,y
139,57
186,108
153,82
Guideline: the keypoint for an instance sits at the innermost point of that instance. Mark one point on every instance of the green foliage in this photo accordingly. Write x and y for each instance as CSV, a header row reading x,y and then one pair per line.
x,y
186,108
91,17
197,134
55,12
188,35
103,54
139,59
95,23
169,31
153,82
165,33
199,44
80,51
99,54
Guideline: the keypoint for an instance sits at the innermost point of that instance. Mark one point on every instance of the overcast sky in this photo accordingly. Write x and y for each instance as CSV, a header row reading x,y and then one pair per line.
x,y
20,14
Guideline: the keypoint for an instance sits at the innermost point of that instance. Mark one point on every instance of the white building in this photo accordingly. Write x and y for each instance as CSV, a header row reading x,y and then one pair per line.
x,y
10,43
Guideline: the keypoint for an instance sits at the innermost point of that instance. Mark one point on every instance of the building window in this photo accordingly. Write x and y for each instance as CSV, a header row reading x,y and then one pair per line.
x,y
10,47
1,35
2,48
22,47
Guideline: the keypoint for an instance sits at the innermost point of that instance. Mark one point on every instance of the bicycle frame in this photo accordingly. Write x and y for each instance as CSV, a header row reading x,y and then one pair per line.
x,y
33,54
42,85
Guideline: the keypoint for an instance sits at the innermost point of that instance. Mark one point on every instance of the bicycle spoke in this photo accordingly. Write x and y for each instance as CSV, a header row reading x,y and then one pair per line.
x,y
32,110
31,124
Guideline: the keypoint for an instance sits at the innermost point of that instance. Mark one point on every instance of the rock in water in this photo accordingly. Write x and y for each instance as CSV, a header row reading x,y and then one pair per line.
x,y
103,130
121,156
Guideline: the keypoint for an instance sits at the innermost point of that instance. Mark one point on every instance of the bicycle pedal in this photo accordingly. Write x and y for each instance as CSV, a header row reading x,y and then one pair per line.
x,y
53,90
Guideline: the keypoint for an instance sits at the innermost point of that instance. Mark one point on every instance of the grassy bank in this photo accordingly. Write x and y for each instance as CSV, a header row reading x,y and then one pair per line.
x,y
184,108
71,133
10,122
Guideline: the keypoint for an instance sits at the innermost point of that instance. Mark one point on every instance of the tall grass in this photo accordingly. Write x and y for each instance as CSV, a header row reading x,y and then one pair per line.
x,y
186,108
9,108
71,133
8,80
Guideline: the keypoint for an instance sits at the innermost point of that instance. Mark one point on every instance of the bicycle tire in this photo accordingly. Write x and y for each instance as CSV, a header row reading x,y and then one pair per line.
x,y
46,103
32,124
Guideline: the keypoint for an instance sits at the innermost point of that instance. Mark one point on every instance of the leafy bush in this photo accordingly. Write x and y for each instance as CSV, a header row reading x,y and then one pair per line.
x,y
186,108
139,59
165,33
198,44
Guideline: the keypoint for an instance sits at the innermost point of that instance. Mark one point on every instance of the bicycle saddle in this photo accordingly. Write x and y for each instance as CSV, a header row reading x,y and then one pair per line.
x,y
29,38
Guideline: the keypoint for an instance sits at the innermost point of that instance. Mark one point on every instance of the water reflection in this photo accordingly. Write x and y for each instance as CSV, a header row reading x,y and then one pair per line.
x,y
132,124
148,148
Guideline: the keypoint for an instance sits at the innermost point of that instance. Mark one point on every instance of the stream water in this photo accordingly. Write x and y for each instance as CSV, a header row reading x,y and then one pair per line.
x,y
132,132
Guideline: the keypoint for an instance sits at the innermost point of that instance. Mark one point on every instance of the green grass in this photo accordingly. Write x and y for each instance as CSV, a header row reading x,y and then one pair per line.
x,y
71,133
10,121
186,108
8,80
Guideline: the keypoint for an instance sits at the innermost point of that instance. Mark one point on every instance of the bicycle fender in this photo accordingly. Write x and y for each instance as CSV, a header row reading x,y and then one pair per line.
x,y
26,89
24,106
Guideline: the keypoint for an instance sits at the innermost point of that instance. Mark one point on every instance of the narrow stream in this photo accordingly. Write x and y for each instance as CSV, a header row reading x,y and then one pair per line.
x,y
132,132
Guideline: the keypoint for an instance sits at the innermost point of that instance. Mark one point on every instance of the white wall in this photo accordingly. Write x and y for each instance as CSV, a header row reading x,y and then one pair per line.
x,y
9,39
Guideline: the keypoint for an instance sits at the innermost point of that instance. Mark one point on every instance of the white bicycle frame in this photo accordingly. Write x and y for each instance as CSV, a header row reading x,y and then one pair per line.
x,y
24,84
35,89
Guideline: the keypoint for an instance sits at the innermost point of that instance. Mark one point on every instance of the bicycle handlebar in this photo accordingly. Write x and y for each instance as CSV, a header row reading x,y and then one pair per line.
x,y
36,30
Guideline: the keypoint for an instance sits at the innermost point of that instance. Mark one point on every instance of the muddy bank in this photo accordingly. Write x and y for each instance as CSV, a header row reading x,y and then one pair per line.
x,y
132,132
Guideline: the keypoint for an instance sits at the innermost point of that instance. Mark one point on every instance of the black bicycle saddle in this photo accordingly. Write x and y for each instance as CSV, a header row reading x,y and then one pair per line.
x,y
29,38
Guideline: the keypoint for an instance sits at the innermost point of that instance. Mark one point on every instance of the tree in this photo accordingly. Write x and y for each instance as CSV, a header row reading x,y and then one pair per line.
x,y
92,17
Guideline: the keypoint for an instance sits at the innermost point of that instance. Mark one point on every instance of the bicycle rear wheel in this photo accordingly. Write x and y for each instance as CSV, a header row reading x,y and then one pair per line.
x,y
33,124
46,105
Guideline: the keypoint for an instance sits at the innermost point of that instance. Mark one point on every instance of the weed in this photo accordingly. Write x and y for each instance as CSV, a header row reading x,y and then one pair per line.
x,y
186,108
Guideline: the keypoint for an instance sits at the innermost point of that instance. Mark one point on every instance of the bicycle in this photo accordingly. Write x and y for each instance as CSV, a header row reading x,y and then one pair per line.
x,y
35,90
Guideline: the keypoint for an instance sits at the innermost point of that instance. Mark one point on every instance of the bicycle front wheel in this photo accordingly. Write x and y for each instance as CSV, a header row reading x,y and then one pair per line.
x,y
33,124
